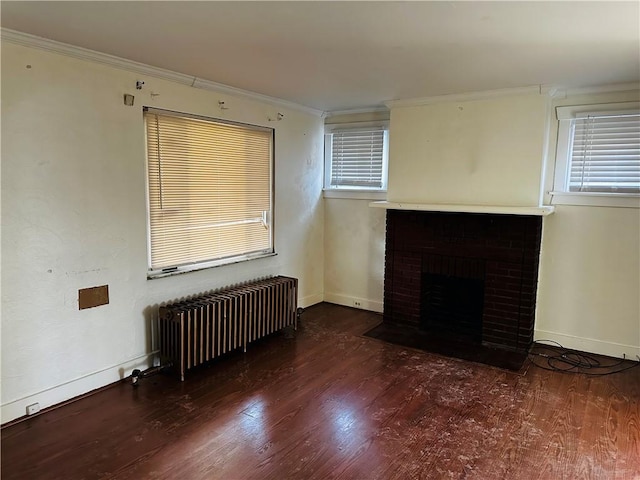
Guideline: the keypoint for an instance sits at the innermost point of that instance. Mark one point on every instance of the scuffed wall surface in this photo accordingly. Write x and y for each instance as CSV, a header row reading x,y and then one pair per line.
x,y
480,152
74,216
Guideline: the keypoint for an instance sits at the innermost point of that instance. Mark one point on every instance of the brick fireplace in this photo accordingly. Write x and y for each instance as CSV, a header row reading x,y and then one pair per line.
x,y
465,282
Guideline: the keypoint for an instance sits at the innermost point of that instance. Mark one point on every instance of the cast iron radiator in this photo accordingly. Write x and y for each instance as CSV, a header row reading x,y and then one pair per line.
x,y
202,328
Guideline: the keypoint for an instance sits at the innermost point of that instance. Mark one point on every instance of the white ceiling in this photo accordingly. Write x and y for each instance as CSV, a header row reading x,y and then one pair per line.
x,y
346,55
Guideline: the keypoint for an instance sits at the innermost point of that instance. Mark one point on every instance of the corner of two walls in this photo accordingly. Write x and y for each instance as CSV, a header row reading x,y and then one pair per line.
x,y
354,253
354,236
74,216
589,275
442,152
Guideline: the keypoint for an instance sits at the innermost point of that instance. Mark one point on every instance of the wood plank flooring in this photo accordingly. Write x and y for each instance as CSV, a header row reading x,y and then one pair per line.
x,y
331,403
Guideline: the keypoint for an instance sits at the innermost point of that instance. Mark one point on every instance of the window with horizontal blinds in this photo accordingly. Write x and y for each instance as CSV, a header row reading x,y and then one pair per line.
x,y
358,158
605,153
209,189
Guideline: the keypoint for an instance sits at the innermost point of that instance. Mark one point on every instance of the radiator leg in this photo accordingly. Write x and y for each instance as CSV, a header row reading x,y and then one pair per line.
x,y
289,331
299,312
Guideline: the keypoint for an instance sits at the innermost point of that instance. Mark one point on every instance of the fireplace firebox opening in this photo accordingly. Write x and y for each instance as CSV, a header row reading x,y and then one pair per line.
x,y
452,307
452,297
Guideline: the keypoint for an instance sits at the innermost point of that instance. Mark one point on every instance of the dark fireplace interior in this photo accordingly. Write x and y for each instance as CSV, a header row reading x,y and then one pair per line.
x,y
461,284
452,298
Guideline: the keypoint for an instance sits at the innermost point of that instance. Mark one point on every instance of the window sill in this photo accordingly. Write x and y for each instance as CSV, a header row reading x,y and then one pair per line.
x,y
154,274
355,194
595,199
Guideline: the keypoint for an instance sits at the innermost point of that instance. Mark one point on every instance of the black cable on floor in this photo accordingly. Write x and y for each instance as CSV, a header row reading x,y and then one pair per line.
x,y
566,360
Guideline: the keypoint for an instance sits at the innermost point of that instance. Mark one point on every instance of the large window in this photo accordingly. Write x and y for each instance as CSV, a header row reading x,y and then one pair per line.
x,y
210,191
598,151
356,158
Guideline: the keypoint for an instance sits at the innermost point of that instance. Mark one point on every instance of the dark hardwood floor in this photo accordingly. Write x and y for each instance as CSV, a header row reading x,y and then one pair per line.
x,y
331,403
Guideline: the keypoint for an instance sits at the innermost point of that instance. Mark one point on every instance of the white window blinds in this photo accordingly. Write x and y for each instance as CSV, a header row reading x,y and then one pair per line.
x,y
358,158
209,188
605,153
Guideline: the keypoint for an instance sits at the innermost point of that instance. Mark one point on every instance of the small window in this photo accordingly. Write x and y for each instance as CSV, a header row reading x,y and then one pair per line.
x,y
598,150
209,191
356,158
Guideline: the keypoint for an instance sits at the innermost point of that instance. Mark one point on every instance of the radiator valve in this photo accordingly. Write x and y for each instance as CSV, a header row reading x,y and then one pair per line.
x,y
135,377
137,374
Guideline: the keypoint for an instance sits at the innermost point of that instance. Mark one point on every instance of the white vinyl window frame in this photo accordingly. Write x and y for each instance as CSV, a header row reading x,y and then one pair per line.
x,y
333,190
561,193
210,192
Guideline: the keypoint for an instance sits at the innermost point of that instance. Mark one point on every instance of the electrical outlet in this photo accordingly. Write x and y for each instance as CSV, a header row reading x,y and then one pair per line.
x,y
357,304
33,408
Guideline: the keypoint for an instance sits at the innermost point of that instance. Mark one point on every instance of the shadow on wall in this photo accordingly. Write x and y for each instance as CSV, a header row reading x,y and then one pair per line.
x,y
150,314
376,247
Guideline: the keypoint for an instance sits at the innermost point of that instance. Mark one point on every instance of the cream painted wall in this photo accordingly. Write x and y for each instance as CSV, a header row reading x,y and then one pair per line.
x,y
476,152
354,253
74,216
354,242
589,282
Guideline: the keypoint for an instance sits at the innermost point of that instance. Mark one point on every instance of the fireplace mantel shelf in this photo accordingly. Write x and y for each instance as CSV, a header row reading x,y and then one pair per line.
x,y
542,211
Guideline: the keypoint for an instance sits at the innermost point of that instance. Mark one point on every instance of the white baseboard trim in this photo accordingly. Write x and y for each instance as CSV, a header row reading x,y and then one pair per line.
x,y
310,300
355,302
74,388
611,349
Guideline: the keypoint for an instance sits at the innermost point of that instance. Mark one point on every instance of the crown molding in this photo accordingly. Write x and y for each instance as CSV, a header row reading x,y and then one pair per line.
x,y
618,87
553,91
468,96
33,41
354,111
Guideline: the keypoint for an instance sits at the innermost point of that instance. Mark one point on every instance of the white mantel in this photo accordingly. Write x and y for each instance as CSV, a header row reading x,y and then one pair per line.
x,y
541,211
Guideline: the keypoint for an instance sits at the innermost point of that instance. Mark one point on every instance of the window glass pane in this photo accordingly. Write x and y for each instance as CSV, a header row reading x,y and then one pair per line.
x,y
605,154
210,192
358,158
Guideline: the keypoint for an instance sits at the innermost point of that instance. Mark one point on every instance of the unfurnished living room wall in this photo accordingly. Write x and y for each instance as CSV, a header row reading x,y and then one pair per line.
x,y
74,216
501,151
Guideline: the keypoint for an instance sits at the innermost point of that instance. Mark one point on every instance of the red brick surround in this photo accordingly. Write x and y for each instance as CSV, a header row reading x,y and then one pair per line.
x,y
508,247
